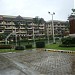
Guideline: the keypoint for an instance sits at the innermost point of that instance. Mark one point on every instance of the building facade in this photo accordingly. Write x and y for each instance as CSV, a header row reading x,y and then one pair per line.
x,y
26,28
23,25
60,27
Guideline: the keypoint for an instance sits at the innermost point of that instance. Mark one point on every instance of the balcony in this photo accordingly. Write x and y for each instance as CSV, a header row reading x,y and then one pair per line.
x,y
23,32
4,23
41,34
30,28
22,28
36,31
41,27
63,26
9,28
1,31
30,35
8,31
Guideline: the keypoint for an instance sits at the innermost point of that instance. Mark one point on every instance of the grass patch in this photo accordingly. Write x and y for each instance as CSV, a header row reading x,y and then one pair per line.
x,y
9,50
56,46
5,50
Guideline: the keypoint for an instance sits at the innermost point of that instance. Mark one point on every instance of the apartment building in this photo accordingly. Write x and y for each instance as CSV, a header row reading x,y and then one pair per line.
x,y
24,27
60,27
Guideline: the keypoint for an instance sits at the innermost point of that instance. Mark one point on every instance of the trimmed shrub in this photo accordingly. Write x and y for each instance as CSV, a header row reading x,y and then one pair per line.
x,y
28,46
68,42
19,48
5,46
40,44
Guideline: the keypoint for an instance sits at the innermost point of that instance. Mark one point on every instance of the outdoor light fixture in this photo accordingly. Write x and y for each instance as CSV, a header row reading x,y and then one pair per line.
x,y
52,26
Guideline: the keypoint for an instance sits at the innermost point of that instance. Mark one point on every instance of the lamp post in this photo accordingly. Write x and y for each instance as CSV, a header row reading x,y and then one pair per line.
x,y
33,37
48,33
52,26
16,36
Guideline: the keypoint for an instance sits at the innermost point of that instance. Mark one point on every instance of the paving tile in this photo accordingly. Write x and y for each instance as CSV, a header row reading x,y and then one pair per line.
x,y
46,63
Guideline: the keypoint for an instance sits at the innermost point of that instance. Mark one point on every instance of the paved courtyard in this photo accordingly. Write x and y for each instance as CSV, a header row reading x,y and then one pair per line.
x,y
43,62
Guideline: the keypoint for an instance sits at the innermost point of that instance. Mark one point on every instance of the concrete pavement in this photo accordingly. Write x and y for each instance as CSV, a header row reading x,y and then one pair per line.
x,y
43,62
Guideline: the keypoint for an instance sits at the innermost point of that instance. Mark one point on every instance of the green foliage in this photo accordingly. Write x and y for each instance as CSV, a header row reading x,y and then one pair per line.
x,y
28,46
40,44
24,40
38,20
17,24
19,48
2,36
66,40
69,41
57,47
36,40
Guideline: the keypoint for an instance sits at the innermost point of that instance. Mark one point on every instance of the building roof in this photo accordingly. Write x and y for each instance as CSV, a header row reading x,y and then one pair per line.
x,y
9,16
57,21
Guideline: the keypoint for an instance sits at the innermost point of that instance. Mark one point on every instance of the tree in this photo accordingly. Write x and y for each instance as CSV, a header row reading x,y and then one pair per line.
x,y
25,26
38,21
2,36
17,25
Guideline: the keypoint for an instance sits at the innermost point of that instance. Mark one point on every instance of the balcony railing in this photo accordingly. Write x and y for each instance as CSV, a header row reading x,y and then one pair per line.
x,y
29,28
30,35
41,27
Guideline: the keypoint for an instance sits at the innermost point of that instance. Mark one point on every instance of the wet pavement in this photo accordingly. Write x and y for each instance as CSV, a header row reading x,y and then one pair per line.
x,y
40,62
8,68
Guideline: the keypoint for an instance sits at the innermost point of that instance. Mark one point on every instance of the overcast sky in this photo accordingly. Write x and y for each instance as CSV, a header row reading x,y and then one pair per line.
x,y
32,8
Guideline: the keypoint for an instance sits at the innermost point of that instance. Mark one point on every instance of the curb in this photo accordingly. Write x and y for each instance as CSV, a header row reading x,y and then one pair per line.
x,y
62,51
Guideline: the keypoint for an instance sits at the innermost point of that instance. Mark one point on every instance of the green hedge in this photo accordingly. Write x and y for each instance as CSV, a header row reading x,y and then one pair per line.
x,y
36,40
68,42
40,44
28,46
19,48
5,46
